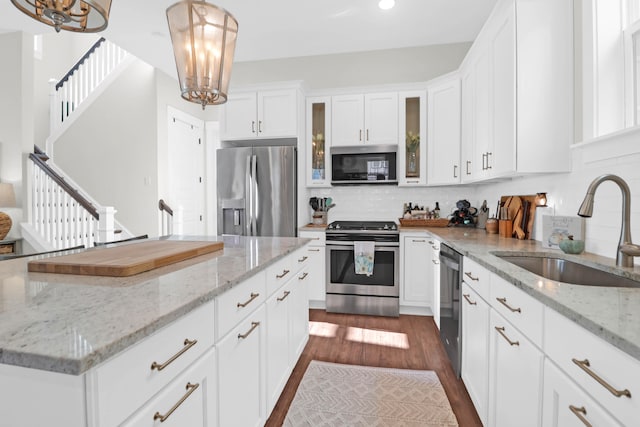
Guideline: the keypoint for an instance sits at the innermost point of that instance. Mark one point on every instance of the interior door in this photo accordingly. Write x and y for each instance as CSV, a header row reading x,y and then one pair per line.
x,y
186,173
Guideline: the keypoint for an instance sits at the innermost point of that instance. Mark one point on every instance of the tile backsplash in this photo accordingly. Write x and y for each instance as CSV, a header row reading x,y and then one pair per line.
x,y
565,192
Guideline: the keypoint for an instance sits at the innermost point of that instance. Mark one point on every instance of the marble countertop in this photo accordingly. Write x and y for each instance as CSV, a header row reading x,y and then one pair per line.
x,y
611,313
69,324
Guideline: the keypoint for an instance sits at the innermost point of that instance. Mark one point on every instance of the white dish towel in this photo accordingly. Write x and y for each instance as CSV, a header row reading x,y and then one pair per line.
x,y
363,253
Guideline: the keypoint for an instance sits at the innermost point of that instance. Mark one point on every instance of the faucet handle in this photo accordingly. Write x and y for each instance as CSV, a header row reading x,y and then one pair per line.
x,y
630,249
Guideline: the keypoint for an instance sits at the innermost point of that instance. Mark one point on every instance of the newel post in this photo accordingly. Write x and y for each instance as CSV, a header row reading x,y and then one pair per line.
x,y
106,224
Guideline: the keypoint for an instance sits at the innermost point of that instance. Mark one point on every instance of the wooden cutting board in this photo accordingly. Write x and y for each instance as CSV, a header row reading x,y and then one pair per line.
x,y
125,260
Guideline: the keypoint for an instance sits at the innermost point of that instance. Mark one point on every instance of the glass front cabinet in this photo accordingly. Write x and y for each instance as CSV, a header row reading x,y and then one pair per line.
x,y
412,150
318,141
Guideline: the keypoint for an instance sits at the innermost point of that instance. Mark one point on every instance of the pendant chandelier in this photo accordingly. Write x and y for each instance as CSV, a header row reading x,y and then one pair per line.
x,y
86,16
204,41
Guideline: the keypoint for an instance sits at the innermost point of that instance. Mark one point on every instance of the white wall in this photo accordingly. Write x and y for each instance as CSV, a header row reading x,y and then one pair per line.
x,y
415,64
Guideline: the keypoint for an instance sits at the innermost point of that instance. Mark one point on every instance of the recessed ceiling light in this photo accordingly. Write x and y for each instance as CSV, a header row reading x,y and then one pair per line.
x,y
386,4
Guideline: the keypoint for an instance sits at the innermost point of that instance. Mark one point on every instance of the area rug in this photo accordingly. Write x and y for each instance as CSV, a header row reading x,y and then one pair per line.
x,y
333,395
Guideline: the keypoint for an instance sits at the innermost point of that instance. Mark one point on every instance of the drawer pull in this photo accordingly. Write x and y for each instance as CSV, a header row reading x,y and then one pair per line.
x,y
314,250
435,261
580,413
187,345
584,365
503,301
284,273
304,276
431,242
418,240
466,296
284,296
247,302
468,274
190,389
254,325
501,332
303,259
434,247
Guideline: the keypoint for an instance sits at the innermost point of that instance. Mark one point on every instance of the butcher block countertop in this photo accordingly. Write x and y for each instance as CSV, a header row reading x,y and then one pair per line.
x,y
70,323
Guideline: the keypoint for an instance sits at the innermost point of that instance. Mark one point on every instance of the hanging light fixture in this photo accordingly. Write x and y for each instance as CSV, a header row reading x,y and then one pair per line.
x,y
204,41
86,16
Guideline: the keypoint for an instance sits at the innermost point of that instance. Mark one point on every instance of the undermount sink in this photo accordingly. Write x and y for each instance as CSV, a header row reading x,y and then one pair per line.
x,y
567,271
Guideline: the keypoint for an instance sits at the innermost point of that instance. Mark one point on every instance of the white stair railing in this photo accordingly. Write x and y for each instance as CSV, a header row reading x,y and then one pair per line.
x,y
59,214
89,72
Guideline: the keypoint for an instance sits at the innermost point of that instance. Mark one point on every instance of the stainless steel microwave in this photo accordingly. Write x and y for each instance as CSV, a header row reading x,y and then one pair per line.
x,y
367,164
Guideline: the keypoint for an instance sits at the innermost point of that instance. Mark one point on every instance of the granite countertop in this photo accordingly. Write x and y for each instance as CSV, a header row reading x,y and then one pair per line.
x,y
611,313
69,324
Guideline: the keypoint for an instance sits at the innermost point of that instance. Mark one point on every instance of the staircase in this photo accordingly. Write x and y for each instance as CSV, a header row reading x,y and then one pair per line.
x,y
59,214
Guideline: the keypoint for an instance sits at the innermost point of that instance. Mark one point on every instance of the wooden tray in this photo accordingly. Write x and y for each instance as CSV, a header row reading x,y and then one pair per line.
x,y
125,260
440,222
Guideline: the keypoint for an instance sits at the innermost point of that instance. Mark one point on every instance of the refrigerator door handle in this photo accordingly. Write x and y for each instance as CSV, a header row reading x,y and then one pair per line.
x,y
248,199
255,196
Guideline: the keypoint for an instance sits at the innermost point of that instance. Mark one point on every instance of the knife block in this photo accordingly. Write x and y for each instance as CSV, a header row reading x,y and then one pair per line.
x,y
505,228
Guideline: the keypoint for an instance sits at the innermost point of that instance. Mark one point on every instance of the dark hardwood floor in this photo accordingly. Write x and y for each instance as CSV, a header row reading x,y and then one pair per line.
x,y
407,342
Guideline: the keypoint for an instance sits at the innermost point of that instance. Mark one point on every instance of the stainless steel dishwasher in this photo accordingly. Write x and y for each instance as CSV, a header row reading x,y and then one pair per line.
x,y
450,282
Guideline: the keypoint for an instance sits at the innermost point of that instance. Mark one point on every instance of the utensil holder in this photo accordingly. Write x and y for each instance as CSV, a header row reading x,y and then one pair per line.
x,y
319,218
505,228
492,226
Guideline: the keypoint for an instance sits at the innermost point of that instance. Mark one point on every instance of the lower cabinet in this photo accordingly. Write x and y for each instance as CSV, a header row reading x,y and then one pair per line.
x,y
316,252
475,349
189,400
567,405
241,358
515,376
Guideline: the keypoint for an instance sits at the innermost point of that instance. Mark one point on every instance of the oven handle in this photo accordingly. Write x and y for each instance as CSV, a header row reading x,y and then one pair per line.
x,y
348,245
452,264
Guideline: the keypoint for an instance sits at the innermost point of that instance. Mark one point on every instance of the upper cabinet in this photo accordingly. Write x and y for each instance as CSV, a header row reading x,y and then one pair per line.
x,y
317,141
261,114
412,138
517,91
443,123
364,119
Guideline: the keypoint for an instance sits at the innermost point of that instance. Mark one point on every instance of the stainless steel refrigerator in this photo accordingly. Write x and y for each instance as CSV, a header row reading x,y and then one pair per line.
x,y
257,191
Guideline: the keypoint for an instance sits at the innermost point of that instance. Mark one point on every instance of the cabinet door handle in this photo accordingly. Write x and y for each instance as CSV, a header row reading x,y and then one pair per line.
x,y
190,389
455,169
247,302
260,126
435,261
253,126
488,154
466,296
484,157
254,325
431,242
580,413
187,345
284,296
360,137
304,276
435,248
418,240
468,274
501,332
585,366
367,134
303,259
503,301
468,163
314,250
284,273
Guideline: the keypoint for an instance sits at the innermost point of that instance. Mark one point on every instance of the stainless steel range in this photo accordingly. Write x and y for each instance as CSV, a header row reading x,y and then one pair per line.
x,y
376,293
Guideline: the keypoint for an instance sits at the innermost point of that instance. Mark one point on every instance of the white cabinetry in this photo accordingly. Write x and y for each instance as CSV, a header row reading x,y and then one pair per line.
x,y
318,141
261,114
316,252
364,119
443,155
435,276
518,91
241,383
412,138
415,255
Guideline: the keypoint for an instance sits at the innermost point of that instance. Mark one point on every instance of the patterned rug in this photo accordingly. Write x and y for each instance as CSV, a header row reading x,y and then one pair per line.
x,y
333,395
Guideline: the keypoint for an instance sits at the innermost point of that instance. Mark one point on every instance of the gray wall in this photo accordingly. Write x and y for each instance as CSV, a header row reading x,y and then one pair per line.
x,y
416,64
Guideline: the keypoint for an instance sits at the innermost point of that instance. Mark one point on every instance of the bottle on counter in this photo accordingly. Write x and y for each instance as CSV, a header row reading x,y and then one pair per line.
x,y
436,211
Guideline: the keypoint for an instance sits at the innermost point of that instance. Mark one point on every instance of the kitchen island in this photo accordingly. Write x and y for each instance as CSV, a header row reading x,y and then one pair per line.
x,y
63,336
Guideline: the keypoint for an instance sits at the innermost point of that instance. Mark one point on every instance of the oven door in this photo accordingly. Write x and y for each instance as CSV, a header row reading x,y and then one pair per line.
x,y
342,277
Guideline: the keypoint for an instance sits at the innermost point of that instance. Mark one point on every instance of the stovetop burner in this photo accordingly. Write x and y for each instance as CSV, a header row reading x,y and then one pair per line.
x,y
363,225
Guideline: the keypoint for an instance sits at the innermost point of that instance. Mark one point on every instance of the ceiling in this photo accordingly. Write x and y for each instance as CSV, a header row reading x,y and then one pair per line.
x,y
270,29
